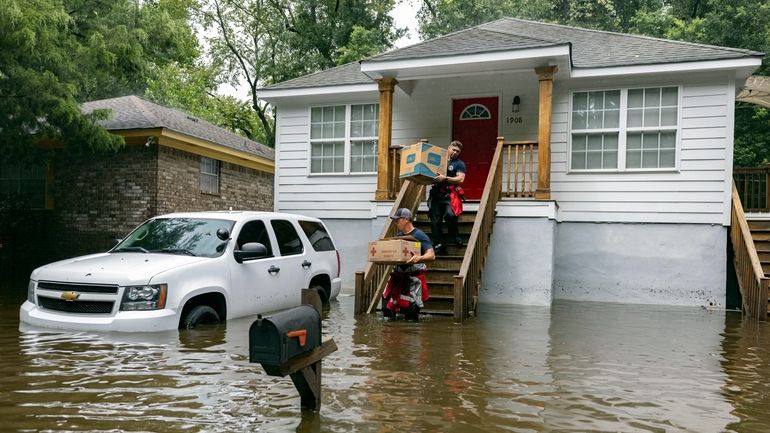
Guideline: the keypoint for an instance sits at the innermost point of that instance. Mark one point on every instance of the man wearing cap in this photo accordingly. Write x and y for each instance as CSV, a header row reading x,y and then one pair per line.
x,y
407,288
440,201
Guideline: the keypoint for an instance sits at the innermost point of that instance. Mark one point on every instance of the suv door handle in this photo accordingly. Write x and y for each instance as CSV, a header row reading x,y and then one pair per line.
x,y
273,270
306,264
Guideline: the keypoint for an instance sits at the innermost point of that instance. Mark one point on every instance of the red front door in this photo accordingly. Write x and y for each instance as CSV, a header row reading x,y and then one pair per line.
x,y
474,123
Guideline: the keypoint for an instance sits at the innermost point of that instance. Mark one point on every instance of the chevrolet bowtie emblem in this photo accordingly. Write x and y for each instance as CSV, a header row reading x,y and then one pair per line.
x,y
70,296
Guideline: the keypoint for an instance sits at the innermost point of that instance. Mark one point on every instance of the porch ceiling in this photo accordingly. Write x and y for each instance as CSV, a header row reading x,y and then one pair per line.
x,y
756,91
470,64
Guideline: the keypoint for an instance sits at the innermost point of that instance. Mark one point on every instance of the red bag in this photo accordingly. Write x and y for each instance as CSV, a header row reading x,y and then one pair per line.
x,y
456,199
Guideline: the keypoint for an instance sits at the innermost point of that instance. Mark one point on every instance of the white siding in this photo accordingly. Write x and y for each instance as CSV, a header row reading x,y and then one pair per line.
x,y
695,193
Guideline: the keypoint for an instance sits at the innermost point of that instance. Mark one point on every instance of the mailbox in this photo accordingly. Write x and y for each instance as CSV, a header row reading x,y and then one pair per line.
x,y
276,339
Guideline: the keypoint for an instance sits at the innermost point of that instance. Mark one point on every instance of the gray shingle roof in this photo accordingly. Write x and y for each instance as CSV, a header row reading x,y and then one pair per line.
x,y
133,112
590,49
349,73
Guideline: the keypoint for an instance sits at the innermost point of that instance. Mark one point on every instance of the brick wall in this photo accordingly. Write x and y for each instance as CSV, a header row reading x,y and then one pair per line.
x,y
179,188
101,197
98,198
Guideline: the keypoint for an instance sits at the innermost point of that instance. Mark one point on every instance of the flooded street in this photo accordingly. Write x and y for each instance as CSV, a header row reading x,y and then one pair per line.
x,y
575,367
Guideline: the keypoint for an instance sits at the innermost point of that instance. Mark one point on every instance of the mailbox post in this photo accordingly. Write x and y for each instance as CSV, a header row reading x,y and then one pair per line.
x,y
289,343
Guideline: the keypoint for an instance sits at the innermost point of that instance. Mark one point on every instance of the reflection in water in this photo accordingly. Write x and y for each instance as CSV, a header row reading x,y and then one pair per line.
x,y
746,361
575,367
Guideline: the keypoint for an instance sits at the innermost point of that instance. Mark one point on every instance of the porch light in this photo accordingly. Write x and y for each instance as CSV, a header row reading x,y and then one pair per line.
x,y
515,105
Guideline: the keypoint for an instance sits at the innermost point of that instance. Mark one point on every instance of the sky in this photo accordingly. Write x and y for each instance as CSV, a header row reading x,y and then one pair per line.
x,y
405,15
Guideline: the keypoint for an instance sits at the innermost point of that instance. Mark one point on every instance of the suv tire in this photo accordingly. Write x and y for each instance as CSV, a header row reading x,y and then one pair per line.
x,y
199,315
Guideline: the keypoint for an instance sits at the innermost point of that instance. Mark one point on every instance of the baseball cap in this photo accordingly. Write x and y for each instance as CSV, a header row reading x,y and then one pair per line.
x,y
402,213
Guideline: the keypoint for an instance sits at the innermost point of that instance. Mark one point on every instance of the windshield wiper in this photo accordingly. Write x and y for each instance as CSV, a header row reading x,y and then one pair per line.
x,y
131,249
176,251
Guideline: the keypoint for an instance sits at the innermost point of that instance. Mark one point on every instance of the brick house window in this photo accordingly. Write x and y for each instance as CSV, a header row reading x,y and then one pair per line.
x,y
209,175
27,180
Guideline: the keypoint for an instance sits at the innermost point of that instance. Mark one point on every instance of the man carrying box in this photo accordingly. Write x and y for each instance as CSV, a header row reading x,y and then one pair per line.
x,y
446,189
407,288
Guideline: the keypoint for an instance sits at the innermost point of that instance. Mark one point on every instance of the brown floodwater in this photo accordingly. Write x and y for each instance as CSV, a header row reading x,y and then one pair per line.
x,y
575,367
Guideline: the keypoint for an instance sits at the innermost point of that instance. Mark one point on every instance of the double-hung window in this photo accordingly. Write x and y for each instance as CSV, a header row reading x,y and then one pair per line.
x,y
209,175
343,138
26,180
625,129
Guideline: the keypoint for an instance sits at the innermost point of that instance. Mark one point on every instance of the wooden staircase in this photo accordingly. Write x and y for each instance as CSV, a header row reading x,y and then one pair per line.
x,y
748,243
441,272
760,234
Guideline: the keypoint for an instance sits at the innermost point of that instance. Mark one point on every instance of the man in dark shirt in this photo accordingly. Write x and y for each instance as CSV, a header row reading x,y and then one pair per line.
x,y
439,200
407,288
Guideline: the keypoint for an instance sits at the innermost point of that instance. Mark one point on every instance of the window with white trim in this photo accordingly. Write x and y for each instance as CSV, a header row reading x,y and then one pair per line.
x,y
626,129
475,111
343,138
209,175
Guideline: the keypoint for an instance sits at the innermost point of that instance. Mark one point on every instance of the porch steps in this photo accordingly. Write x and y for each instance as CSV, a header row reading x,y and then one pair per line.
x,y
441,272
760,233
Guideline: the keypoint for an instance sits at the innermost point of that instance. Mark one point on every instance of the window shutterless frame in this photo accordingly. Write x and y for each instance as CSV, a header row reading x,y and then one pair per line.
x,y
355,148
623,130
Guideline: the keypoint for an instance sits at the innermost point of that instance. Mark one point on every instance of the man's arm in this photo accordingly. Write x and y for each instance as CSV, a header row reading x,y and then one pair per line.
x,y
455,180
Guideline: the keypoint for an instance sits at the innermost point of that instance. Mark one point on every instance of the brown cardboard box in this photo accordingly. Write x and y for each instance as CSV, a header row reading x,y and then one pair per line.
x,y
421,162
392,251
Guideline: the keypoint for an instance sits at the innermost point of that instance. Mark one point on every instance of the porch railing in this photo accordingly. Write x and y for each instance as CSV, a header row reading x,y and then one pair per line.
x,y
370,283
753,184
468,280
394,168
751,278
520,168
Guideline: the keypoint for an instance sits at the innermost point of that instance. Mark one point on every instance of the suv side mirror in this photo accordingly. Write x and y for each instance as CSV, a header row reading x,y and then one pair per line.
x,y
223,234
250,251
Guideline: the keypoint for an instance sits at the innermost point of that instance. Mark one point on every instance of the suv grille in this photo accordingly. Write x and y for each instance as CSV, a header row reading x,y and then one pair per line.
x,y
88,307
77,287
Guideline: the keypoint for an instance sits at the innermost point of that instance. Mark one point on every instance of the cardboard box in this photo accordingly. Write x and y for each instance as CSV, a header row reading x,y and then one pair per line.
x,y
421,162
392,251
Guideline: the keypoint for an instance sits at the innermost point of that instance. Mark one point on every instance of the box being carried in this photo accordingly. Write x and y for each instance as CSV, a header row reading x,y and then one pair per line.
x,y
392,251
421,162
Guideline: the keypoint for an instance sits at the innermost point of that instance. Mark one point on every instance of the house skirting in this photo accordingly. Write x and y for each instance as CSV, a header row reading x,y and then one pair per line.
x,y
533,260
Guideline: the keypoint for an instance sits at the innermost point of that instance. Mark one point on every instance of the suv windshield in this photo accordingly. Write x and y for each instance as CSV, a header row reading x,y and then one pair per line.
x,y
188,236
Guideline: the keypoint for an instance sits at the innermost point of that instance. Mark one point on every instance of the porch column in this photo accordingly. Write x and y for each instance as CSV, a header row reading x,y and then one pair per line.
x,y
545,76
386,86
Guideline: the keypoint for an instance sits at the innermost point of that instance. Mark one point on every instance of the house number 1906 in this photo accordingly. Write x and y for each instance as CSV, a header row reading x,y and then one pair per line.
x,y
511,119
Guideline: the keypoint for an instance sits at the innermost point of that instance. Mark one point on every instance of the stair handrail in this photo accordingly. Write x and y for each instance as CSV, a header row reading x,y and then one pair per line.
x,y
467,281
752,281
370,283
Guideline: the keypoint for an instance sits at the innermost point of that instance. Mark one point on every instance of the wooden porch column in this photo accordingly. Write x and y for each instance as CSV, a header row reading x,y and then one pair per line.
x,y
545,76
386,86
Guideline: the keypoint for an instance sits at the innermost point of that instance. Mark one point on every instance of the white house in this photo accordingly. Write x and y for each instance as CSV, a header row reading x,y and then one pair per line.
x,y
634,163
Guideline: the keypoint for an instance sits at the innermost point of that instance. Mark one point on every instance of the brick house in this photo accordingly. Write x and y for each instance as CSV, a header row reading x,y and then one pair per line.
x,y
171,162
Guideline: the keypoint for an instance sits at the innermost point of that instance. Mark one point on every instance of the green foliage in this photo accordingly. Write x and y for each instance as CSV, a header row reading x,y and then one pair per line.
x,y
261,42
55,54
193,89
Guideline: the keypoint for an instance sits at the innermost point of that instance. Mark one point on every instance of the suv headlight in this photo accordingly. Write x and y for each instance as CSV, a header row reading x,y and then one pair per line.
x,y
150,297
31,291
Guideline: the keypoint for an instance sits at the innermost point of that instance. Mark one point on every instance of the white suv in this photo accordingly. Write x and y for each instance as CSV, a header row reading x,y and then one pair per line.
x,y
183,269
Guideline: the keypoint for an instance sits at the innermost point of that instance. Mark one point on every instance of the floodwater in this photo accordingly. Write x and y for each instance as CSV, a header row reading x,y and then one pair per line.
x,y
576,367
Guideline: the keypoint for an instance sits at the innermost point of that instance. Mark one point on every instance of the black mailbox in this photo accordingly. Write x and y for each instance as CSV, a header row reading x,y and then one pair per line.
x,y
275,339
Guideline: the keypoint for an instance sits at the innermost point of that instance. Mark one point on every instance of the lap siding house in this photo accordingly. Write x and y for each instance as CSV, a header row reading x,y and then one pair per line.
x,y
629,200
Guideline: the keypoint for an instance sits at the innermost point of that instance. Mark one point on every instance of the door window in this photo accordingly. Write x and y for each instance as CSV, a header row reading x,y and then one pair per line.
x,y
289,242
254,231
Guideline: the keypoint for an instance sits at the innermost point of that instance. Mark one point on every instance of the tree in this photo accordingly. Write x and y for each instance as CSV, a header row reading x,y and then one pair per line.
x,y
261,42
193,89
55,54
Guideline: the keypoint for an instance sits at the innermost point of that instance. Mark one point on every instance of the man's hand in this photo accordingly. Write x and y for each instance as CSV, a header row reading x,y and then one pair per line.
x,y
414,259
439,178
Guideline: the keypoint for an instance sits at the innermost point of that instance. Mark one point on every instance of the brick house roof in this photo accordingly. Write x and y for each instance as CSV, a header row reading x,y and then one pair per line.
x,y
133,112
